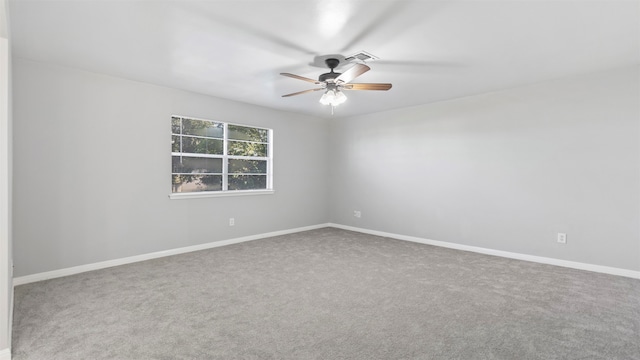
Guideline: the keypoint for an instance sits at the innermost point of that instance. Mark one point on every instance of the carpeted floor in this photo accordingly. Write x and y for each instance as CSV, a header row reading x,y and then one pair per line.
x,y
329,294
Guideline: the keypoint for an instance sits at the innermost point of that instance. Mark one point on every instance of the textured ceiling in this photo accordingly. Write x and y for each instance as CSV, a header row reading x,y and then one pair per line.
x,y
429,50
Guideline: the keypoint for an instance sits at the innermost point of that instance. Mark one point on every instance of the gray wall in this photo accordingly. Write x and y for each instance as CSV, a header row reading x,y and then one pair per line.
x,y
92,170
504,171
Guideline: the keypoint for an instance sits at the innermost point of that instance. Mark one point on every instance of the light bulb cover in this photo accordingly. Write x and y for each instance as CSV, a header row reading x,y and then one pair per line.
x,y
323,99
333,97
340,97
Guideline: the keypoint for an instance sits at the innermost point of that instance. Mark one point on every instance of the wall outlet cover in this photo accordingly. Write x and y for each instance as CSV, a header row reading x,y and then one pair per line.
x,y
562,238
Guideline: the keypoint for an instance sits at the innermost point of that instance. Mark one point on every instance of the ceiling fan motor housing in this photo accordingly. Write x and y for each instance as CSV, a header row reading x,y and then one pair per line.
x,y
328,76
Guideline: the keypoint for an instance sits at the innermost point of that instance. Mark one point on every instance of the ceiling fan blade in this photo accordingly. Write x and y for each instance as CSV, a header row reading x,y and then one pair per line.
x,y
302,92
367,86
353,72
300,78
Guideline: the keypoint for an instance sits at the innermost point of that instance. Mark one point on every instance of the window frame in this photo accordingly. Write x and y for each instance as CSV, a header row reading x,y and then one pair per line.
x,y
225,157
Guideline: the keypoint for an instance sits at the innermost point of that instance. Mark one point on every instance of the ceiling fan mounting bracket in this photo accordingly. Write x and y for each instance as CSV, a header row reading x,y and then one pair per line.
x,y
330,76
332,63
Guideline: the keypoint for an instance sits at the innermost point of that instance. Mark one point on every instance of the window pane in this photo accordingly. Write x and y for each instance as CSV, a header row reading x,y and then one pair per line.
x,y
202,128
175,125
246,149
192,183
175,143
201,145
186,164
247,182
247,133
247,166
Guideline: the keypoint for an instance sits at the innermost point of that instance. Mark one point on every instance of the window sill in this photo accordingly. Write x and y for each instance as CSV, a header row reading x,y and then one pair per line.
x,y
209,194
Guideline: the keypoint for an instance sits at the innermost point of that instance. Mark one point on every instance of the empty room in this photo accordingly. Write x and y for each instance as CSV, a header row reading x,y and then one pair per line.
x,y
336,179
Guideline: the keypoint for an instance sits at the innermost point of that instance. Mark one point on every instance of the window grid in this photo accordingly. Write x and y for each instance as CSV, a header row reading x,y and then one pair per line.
x,y
225,174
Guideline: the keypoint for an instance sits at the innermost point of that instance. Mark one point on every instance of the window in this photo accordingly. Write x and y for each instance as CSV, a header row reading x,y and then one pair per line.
x,y
209,157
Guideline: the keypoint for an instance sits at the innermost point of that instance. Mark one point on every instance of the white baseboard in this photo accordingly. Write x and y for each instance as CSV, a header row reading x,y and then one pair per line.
x,y
5,354
511,255
505,254
132,259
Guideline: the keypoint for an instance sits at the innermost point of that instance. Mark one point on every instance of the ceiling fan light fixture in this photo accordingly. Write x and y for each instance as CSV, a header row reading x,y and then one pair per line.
x,y
333,97
327,97
340,98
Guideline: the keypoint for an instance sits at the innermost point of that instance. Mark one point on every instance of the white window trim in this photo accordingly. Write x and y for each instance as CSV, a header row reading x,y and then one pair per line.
x,y
224,193
208,194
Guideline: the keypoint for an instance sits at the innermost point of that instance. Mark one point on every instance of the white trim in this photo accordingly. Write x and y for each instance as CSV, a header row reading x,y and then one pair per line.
x,y
505,254
208,194
5,354
6,259
116,262
132,259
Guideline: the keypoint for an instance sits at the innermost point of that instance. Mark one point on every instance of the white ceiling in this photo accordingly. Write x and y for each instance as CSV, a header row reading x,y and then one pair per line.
x,y
234,49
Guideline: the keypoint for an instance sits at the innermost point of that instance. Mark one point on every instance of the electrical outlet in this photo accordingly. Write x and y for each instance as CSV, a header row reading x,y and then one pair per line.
x,y
357,213
232,221
562,238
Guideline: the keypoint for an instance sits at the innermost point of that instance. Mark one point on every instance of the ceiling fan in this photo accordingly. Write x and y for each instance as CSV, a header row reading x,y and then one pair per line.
x,y
333,83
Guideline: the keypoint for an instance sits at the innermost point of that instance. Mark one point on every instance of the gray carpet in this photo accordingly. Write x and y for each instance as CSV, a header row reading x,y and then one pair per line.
x,y
329,294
